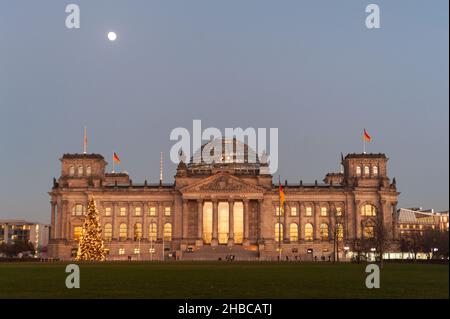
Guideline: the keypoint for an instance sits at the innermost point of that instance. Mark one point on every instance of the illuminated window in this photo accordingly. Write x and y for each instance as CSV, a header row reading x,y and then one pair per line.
x,y
72,170
78,210
277,211
293,232
338,211
77,230
366,171
309,232
107,233
368,210
121,251
152,232
123,232
324,231
294,211
108,211
358,170
368,231
223,222
152,211
123,211
137,251
80,170
278,232
207,222
137,231
88,171
167,211
167,232
375,170
137,211
308,211
340,232
323,211
238,219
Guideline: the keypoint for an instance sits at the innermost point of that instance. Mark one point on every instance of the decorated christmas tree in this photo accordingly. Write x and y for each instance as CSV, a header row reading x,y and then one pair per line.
x,y
91,243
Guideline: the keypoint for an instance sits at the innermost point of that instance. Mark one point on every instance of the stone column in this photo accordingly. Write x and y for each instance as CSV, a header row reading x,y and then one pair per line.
x,y
259,236
246,222
316,220
52,233
185,219
285,222
114,214
215,223
160,221
200,219
130,232
301,213
231,222
358,230
144,219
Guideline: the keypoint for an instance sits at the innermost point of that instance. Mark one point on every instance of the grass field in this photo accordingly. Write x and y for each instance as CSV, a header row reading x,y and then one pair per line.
x,y
222,280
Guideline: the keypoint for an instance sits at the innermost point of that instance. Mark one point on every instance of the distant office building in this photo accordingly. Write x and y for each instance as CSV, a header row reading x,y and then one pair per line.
x,y
12,230
411,220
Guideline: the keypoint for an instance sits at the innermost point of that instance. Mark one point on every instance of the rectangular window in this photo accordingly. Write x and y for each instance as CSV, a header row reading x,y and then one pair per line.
x,y
108,211
121,251
137,251
137,211
152,211
293,211
323,211
277,211
123,211
167,211
338,211
308,211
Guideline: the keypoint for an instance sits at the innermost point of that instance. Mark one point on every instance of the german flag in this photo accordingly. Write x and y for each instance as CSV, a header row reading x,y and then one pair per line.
x,y
282,198
116,158
367,137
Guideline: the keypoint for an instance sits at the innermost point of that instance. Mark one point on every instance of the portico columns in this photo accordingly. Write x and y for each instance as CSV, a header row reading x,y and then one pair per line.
x,y
52,235
246,222
231,222
200,221
215,223
185,219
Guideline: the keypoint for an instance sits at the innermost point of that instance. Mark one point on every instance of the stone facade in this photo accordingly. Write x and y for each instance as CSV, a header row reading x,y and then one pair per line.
x,y
213,210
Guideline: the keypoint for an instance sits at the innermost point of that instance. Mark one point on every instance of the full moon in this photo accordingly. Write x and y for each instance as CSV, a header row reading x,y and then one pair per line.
x,y
112,36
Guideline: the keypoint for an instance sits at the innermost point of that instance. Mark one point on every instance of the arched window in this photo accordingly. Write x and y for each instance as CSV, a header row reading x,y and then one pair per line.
x,y
78,210
80,170
340,232
358,170
366,171
167,232
309,232
152,233
293,232
368,210
324,231
71,170
278,232
137,231
107,233
88,171
123,232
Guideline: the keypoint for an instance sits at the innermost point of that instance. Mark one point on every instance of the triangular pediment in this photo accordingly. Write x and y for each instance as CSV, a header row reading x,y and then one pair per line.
x,y
222,183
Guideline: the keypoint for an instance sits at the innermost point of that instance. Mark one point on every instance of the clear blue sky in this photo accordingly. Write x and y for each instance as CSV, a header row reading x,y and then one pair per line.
x,y
310,68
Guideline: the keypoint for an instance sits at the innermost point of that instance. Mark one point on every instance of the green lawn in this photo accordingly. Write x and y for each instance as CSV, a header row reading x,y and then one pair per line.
x,y
222,280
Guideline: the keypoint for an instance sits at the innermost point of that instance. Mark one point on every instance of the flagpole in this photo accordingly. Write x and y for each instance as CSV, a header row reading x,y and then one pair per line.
x,y
279,218
113,166
85,141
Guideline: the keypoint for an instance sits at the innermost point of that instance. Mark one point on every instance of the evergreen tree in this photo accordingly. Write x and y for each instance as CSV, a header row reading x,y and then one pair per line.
x,y
91,243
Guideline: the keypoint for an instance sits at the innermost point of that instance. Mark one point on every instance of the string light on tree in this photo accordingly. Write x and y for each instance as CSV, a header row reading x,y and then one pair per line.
x,y
91,247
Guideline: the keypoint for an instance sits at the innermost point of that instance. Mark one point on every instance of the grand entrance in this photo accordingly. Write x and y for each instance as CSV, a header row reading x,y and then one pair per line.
x,y
230,222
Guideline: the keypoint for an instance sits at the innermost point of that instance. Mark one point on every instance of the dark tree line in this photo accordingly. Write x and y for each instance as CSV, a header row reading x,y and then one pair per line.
x,y
433,242
15,248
